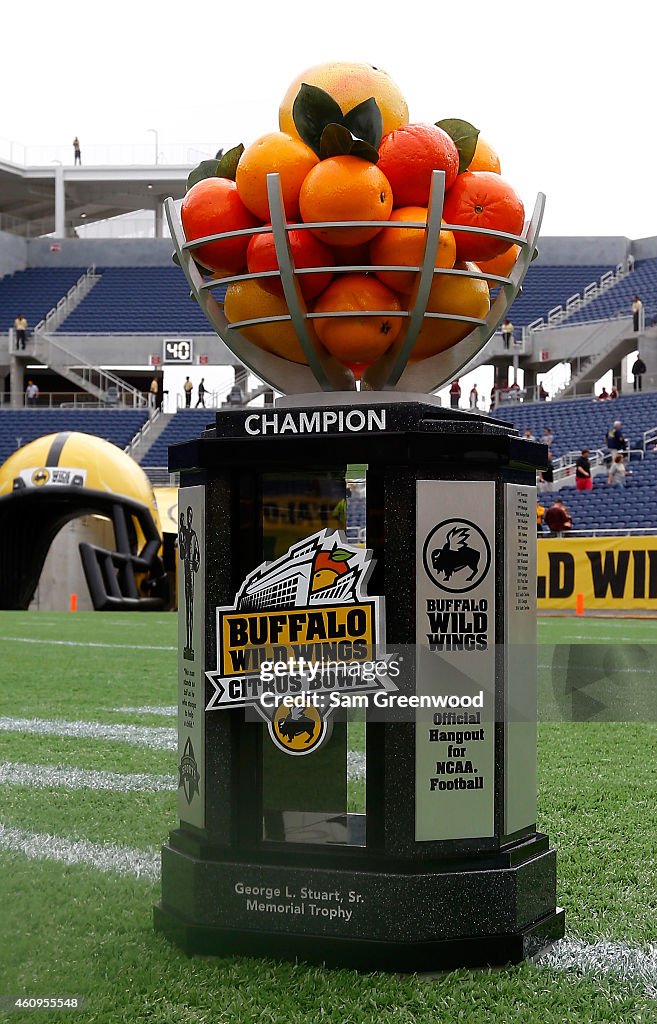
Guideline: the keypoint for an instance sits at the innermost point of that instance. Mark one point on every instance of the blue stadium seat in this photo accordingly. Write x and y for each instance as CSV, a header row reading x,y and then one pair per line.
x,y
20,426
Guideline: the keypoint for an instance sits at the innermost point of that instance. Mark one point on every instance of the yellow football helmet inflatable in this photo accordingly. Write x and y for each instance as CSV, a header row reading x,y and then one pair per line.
x,y
59,477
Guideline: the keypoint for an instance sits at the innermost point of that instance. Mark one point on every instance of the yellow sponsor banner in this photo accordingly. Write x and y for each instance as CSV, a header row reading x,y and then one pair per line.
x,y
345,632
612,573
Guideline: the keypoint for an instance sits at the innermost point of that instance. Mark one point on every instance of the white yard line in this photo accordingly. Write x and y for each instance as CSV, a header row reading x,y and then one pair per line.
x,y
170,710
102,856
88,643
46,775
155,737
627,960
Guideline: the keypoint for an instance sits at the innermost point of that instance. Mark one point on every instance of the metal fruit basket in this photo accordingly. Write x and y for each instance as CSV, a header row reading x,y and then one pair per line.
x,y
392,371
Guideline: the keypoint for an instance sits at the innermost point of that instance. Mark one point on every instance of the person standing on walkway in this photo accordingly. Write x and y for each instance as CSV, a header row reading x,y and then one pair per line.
x,y
637,314
455,394
507,334
188,387
77,156
474,398
201,394
638,369
152,393
20,326
31,393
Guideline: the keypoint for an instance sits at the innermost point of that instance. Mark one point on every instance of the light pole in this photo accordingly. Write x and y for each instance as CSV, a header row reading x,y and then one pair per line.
x,y
157,137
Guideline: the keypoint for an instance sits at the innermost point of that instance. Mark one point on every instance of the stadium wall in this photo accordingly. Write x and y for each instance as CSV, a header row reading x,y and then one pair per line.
x,y
13,253
100,252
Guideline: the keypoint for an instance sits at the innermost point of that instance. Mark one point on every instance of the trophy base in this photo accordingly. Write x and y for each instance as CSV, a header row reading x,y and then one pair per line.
x,y
364,954
388,920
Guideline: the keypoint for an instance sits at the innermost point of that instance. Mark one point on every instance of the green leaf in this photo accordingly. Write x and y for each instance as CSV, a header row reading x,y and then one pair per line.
x,y
464,135
336,140
365,122
312,111
206,169
227,167
340,555
364,151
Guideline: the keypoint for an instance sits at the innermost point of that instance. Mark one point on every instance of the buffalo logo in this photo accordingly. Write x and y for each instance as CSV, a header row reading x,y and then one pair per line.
x,y
456,556
188,773
40,477
298,730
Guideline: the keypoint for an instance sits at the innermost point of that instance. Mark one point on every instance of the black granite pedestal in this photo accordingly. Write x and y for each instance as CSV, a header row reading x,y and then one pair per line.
x,y
445,866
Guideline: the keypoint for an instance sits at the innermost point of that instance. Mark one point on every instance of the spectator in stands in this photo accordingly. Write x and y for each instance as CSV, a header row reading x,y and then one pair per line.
x,y
548,437
455,394
613,393
615,441
20,326
153,393
201,394
540,512
583,478
543,395
507,333
557,518
637,314
617,472
474,398
546,476
188,387
31,393
514,393
77,156
630,262
638,370
528,435
604,395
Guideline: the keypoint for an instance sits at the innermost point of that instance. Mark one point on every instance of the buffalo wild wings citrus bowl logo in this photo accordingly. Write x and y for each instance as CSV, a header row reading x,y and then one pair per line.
x,y
302,627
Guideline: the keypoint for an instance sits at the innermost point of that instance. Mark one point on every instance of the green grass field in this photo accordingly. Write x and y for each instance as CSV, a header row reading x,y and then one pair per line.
x,y
85,928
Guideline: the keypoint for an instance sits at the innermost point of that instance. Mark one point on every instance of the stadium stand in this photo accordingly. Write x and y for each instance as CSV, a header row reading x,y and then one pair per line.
x,y
547,287
134,300
19,426
185,425
617,301
583,422
34,292
614,508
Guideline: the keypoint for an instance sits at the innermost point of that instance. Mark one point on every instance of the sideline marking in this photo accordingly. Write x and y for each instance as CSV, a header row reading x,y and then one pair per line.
x,y
103,856
13,773
156,737
89,643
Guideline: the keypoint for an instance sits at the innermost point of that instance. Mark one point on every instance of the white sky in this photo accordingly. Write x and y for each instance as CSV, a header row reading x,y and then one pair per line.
x,y
564,91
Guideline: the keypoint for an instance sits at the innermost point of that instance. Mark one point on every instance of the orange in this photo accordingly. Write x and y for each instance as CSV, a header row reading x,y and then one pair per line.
x,y
483,199
275,151
345,188
457,296
210,207
349,85
485,158
502,264
307,251
246,300
407,157
405,247
357,339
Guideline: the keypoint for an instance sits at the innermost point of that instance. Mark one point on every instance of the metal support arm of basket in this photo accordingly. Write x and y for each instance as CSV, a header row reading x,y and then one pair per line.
x,y
392,371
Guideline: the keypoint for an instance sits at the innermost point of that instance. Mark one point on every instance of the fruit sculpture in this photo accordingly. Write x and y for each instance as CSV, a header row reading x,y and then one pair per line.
x,y
353,242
